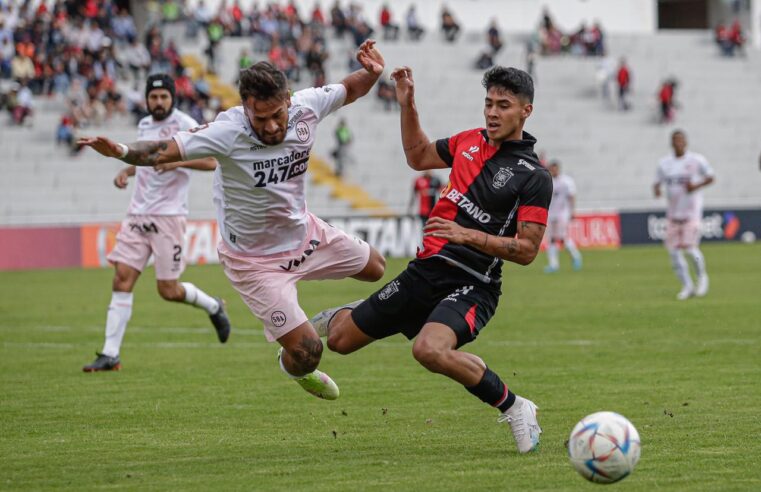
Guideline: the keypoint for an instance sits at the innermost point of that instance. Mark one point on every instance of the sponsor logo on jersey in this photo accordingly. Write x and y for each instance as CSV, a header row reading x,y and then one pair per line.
x,y
302,131
327,88
473,149
389,290
466,204
278,318
257,147
144,227
292,264
280,161
296,117
461,291
467,156
502,177
523,163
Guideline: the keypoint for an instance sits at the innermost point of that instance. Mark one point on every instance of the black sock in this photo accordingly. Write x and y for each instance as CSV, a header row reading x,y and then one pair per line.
x,y
493,391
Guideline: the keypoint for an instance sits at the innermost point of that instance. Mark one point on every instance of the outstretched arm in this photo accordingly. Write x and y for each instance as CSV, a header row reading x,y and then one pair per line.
x,y
521,249
205,164
420,152
144,153
360,82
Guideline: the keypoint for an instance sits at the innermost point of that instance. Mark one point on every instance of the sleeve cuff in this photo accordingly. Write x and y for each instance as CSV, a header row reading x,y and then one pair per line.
x,y
530,213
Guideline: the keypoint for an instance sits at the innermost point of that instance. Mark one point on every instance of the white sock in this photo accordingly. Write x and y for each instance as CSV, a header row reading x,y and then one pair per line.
x,y
199,298
119,313
552,255
680,268
697,261
570,245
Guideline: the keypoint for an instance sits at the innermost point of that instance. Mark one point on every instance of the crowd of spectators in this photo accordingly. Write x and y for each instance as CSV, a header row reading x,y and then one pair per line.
x,y
730,39
585,41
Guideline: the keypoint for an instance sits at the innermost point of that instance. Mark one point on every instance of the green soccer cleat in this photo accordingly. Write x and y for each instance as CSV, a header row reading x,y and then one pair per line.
x,y
316,383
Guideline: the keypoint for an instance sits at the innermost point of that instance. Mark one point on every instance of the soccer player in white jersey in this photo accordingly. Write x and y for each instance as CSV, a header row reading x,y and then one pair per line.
x,y
155,224
270,240
684,174
559,216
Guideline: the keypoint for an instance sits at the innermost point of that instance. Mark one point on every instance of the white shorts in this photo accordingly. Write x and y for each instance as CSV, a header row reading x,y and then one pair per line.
x,y
682,234
162,235
267,284
557,228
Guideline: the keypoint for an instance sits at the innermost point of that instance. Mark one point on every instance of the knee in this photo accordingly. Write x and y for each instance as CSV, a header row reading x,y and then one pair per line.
x,y
338,344
377,266
307,355
170,291
429,356
122,282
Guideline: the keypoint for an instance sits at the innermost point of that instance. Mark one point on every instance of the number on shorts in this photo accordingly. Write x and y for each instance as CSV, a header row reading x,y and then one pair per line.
x,y
177,252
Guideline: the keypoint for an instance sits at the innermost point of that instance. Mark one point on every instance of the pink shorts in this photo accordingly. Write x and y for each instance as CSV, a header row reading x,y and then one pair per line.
x,y
557,229
267,284
162,235
682,234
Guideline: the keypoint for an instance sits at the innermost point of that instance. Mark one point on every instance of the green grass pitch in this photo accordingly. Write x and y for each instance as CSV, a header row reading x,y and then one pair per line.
x,y
187,413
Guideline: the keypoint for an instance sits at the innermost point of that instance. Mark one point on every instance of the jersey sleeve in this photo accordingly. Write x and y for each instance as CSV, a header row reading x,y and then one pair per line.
x,y
322,100
535,198
705,167
447,147
209,140
660,176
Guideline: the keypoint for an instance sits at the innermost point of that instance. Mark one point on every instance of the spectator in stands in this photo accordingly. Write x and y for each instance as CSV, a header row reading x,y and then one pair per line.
x,y
666,97
550,37
338,20
343,140
414,31
123,27
493,37
723,40
736,37
531,60
20,102
485,60
390,29
425,190
137,58
449,27
6,55
386,94
22,67
624,82
315,62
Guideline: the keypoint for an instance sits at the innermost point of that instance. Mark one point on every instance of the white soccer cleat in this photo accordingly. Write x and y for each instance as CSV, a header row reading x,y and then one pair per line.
x,y
702,289
316,383
685,294
321,320
522,419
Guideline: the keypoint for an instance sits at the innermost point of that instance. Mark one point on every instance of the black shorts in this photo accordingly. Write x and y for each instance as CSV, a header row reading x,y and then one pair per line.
x,y
429,291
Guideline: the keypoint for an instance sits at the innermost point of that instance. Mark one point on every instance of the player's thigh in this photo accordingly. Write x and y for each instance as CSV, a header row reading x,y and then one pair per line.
x,y
674,235
270,295
401,306
691,234
334,254
466,310
167,245
133,247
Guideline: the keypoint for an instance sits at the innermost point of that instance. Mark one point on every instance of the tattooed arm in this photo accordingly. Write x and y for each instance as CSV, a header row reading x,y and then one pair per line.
x,y
521,249
144,153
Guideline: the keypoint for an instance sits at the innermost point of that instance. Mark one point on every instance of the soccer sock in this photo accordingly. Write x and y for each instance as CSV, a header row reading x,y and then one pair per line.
x,y
493,391
199,298
119,313
698,261
570,245
552,255
680,268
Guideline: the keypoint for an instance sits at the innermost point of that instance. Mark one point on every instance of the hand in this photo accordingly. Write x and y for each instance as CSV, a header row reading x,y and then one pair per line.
x,y
405,86
446,229
102,145
120,181
370,58
166,166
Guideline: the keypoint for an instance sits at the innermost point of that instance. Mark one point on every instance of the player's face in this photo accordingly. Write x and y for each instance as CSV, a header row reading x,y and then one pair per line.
x,y
554,170
679,143
269,118
159,103
504,113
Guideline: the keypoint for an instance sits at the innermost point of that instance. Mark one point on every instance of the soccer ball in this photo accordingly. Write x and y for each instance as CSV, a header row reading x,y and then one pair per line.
x,y
604,447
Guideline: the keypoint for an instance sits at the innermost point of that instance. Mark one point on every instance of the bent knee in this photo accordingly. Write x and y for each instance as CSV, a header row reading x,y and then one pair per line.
x,y
430,357
307,356
339,344
171,292
376,267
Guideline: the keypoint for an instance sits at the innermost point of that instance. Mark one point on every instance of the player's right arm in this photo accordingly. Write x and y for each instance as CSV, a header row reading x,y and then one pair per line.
x,y
143,153
122,177
420,152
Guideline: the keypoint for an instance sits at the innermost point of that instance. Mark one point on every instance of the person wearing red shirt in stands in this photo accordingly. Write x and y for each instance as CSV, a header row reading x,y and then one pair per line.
x,y
426,189
624,80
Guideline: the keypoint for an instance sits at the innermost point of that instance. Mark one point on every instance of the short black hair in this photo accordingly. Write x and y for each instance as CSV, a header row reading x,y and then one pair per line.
x,y
262,81
511,79
678,131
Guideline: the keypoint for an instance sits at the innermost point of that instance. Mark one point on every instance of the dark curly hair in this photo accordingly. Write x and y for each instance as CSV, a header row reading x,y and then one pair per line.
x,y
262,81
511,79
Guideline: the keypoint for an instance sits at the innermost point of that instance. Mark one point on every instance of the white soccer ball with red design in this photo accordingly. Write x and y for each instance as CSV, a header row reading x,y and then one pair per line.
x,y
604,447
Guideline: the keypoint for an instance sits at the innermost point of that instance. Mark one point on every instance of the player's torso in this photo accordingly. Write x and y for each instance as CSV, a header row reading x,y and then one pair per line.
x,y
164,193
562,191
677,173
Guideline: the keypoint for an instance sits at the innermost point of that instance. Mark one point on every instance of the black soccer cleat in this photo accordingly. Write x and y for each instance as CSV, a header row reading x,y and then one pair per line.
x,y
104,363
221,322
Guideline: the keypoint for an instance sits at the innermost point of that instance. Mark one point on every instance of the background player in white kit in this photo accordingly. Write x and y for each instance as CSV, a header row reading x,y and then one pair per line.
x,y
559,217
270,240
684,174
155,224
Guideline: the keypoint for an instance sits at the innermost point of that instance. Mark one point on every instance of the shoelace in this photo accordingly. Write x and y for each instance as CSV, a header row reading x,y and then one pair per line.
x,y
521,427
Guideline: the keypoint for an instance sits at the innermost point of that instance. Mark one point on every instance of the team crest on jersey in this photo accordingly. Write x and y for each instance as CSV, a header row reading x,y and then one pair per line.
x,y
302,131
502,177
389,290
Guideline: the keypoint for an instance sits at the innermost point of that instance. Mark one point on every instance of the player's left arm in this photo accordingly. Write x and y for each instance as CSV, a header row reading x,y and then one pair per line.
x,y
359,83
706,172
143,153
700,184
521,249
205,164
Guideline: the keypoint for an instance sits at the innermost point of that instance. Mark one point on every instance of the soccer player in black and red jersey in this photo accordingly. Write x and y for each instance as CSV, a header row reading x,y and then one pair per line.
x,y
494,208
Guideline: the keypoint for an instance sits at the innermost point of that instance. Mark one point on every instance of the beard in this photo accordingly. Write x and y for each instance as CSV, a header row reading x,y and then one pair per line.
x,y
160,114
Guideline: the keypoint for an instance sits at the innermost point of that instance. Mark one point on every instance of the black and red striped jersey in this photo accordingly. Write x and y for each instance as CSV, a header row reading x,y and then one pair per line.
x,y
490,189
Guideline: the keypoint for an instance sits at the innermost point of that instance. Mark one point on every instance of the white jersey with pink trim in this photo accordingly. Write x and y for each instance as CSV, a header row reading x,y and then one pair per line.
x,y
563,191
674,173
165,193
259,190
